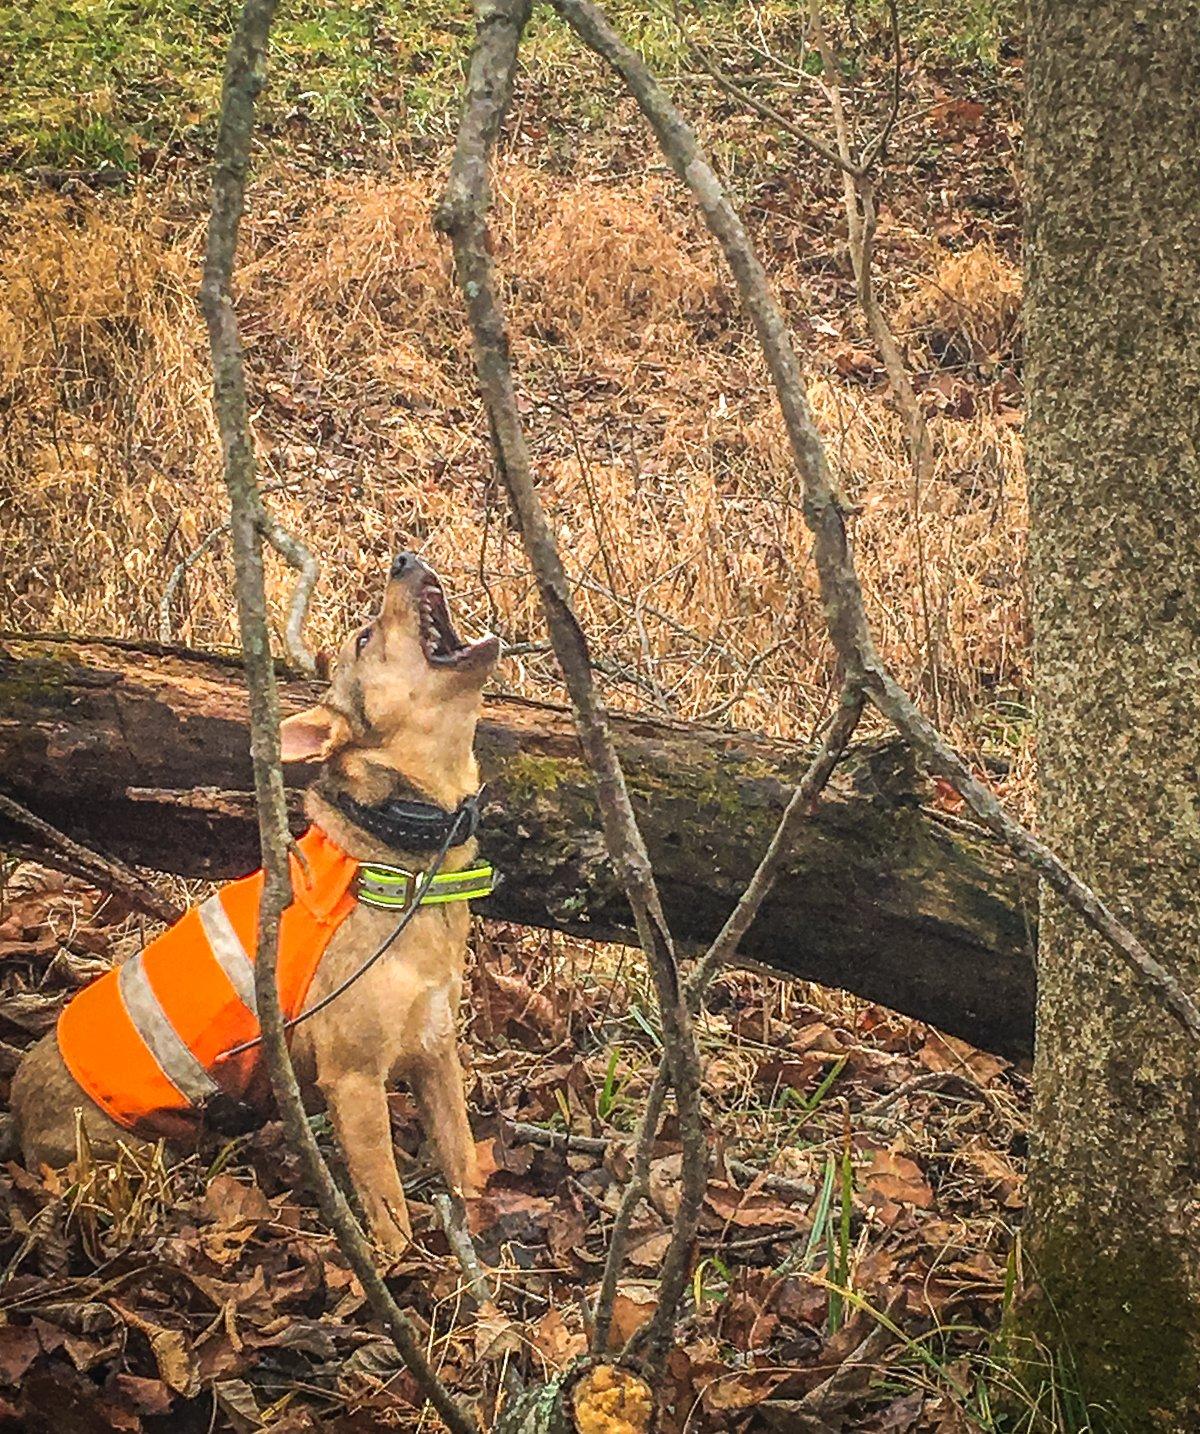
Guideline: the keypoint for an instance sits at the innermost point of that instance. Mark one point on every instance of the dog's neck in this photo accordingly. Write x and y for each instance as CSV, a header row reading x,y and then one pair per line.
x,y
371,784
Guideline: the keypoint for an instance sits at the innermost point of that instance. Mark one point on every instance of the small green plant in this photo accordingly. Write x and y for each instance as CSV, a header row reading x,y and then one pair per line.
x,y
710,1281
610,1091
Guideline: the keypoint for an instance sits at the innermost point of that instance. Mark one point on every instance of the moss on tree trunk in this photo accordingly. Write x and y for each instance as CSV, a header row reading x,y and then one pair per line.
x,y
1113,344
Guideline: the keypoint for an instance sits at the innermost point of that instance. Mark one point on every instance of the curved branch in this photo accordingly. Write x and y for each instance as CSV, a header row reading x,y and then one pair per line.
x,y
294,552
462,215
243,80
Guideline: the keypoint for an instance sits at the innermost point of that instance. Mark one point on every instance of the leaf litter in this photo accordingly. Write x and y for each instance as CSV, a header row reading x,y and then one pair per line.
x,y
153,1293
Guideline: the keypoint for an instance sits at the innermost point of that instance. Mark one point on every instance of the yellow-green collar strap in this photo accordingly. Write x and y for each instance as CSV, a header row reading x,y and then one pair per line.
x,y
393,888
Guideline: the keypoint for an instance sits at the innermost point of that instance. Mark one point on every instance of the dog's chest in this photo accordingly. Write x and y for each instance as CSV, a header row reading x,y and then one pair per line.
x,y
406,1005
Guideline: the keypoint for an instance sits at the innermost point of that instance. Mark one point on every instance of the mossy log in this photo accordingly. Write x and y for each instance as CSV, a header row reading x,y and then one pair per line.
x,y
142,752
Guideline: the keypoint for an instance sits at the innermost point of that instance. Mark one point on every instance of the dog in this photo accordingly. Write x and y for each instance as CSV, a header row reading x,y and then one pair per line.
x,y
394,735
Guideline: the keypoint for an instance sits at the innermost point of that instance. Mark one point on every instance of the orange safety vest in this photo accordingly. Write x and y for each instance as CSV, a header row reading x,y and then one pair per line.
x,y
144,1040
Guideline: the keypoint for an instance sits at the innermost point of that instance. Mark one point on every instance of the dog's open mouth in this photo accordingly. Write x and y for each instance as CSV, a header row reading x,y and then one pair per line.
x,y
440,642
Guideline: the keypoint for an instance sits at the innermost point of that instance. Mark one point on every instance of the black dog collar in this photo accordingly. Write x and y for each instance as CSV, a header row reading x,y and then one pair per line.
x,y
408,825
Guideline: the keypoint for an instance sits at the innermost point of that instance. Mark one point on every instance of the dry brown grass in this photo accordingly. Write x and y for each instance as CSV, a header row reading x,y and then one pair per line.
x,y
660,452
969,308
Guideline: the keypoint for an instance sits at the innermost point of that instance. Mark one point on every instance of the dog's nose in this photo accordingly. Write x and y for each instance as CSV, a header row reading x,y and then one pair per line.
x,y
403,563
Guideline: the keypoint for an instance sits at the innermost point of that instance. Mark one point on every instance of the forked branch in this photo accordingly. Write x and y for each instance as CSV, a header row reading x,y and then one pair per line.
x,y
243,80
723,950
845,612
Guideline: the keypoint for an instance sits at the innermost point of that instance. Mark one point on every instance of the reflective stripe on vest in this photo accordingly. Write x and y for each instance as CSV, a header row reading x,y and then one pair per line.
x,y
150,1021
231,955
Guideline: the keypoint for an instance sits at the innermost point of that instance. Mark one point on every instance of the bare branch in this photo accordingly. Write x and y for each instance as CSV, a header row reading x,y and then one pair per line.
x,y
462,1247
722,951
462,215
877,149
243,80
72,856
841,592
783,1185
291,549
631,1198
748,98
859,198
166,631
294,552
797,811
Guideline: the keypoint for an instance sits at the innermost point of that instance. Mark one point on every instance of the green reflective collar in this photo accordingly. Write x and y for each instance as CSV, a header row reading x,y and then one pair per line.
x,y
394,888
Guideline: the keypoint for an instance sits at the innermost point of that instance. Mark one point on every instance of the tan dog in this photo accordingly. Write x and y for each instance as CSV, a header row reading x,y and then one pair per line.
x,y
396,725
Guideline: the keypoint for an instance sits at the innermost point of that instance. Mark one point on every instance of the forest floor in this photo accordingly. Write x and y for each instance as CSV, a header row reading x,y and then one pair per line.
x,y
203,1295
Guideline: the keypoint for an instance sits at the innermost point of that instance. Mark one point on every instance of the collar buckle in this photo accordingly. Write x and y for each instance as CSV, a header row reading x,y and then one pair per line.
x,y
392,888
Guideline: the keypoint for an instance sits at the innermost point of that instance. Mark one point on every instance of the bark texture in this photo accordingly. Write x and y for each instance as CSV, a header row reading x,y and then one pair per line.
x,y
1113,346
144,752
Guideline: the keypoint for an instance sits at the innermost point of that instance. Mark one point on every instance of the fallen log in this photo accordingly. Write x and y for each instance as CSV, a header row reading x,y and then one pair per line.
x,y
142,752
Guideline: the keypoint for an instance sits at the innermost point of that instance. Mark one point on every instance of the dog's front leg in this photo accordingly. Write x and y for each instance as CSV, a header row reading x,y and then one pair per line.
x,y
357,1103
437,1079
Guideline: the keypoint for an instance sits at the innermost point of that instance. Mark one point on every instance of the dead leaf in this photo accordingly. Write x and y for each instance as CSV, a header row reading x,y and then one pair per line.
x,y
513,1008
19,1347
633,1307
556,1342
947,1053
172,1352
663,1185
230,1202
895,1177
751,1210
647,1253
145,1396
237,1402
744,1389
496,1334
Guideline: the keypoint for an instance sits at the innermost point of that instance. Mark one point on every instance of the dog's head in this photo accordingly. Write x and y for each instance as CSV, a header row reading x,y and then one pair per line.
x,y
404,692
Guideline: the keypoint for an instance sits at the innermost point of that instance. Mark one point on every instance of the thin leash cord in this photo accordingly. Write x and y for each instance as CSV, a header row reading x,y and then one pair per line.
x,y
380,950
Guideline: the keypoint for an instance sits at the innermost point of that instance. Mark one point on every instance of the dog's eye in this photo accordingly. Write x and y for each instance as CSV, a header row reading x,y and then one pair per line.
x,y
361,641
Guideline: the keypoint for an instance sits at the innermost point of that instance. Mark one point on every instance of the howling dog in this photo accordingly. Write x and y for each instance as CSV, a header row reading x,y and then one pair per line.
x,y
139,1054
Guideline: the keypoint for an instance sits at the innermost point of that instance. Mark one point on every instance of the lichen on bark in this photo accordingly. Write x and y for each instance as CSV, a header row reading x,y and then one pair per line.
x,y
1113,373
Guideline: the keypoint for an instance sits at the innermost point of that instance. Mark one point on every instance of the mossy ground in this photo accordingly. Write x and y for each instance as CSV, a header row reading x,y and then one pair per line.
x,y
94,83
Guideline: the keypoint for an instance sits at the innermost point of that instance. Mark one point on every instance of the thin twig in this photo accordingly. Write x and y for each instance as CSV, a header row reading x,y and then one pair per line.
x,y
769,112
858,195
799,809
462,1247
166,630
294,552
824,510
877,149
631,1198
243,80
462,215
103,871
453,1216
721,952
789,1187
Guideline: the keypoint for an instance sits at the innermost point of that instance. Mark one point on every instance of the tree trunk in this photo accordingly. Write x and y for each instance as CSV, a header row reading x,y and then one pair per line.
x,y
143,753
1113,345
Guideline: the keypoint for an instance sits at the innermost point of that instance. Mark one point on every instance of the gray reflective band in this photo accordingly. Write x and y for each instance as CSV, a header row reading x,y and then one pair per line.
x,y
227,948
162,1040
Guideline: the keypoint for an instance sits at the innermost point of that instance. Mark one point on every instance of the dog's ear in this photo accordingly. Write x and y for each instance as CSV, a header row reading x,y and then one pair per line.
x,y
312,736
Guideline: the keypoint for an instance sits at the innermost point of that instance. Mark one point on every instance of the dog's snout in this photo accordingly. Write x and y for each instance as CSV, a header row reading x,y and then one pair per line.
x,y
408,565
